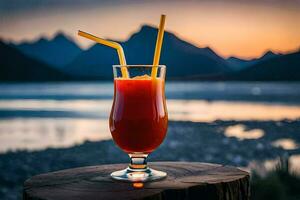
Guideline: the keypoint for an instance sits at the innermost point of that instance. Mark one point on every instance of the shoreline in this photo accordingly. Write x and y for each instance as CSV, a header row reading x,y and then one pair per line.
x,y
185,141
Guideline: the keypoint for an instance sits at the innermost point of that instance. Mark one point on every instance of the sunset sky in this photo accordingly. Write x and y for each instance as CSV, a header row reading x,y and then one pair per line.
x,y
241,28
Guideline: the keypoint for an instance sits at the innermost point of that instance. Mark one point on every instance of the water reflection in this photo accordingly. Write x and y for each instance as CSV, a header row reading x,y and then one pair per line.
x,y
39,133
37,124
204,111
183,110
239,131
57,105
285,143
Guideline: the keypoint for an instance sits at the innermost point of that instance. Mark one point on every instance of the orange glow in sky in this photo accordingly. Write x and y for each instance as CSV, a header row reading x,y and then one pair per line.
x,y
236,29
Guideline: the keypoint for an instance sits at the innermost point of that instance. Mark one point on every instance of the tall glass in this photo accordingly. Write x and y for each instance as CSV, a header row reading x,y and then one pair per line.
x,y
138,120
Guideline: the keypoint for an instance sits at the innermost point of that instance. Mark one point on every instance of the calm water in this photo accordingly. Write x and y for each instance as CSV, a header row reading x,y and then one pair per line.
x,y
36,116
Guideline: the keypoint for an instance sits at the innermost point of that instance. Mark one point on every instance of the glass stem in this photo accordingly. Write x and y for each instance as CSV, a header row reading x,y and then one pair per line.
x,y
138,162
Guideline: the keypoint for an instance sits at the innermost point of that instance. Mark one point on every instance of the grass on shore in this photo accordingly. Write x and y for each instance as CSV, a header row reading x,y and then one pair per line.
x,y
279,184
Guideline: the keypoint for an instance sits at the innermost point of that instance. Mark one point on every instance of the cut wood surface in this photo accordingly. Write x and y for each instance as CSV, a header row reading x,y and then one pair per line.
x,y
185,180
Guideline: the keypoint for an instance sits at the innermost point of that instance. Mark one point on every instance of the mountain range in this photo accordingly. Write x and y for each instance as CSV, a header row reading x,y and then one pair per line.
x,y
239,64
62,59
281,67
181,58
16,66
58,52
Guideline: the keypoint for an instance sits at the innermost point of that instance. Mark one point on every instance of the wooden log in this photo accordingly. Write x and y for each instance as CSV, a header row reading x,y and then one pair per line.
x,y
185,180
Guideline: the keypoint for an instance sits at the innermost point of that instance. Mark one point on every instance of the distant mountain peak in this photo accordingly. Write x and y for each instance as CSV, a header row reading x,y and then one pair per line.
x,y
145,31
231,57
61,36
236,58
40,40
57,51
268,54
146,28
208,49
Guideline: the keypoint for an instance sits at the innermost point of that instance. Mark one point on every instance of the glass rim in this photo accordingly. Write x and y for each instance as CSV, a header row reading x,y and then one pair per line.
x,y
145,66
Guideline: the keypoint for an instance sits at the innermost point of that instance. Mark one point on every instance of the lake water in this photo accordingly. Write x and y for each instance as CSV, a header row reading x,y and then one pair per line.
x,y
37,116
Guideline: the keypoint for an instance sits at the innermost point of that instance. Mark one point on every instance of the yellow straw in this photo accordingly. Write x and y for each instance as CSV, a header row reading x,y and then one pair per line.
x,y
111,44
158,46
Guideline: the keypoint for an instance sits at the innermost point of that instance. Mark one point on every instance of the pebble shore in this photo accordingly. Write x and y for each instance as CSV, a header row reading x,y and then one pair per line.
x,y
186,141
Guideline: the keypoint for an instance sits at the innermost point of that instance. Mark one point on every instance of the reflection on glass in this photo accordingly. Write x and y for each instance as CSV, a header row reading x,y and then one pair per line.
x,y
138,185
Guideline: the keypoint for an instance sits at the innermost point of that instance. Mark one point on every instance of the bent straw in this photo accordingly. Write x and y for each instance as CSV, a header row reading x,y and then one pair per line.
x,y
111,44
158,46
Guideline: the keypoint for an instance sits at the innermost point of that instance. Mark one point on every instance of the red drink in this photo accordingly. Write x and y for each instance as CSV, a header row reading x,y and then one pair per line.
x,y
138,120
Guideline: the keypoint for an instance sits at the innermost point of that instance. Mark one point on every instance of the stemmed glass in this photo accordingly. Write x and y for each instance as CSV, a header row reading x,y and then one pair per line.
x,y
138,119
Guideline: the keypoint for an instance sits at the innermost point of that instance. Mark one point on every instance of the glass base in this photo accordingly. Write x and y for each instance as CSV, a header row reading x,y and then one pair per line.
x,y
138,175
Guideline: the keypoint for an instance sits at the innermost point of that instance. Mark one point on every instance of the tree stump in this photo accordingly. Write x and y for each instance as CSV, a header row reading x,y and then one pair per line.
x,y
185,180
